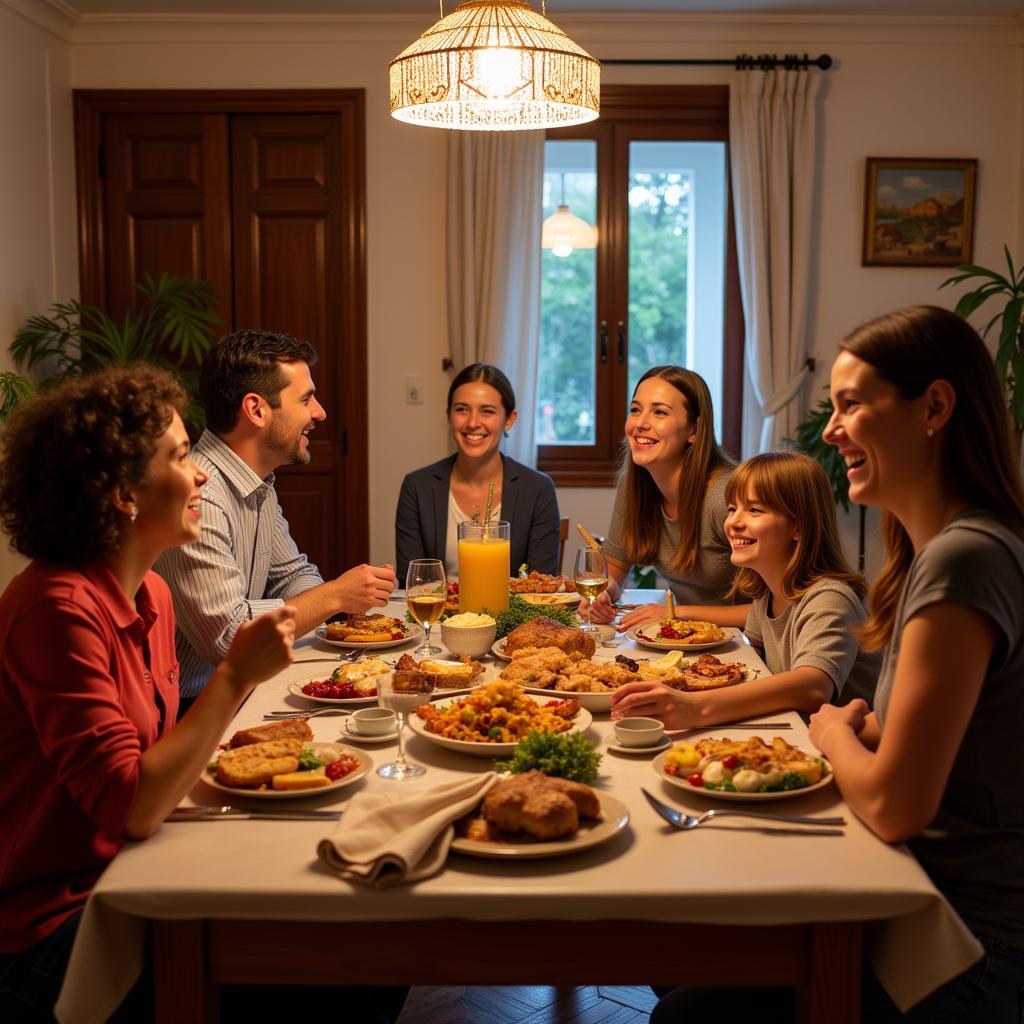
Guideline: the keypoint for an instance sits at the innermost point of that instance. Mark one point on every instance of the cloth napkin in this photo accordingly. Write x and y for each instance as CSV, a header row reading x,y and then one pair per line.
x,y
385,839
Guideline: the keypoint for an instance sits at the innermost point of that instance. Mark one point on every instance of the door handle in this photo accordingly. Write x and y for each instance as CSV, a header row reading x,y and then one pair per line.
x,y
603,336
621,355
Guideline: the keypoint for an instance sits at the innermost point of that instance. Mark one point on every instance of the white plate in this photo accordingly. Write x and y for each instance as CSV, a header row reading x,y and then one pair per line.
x,y
296,689
412,631
599,703
349,734
556,600
637,635
580,723
658,764
656,748
365,764
498,649
593,832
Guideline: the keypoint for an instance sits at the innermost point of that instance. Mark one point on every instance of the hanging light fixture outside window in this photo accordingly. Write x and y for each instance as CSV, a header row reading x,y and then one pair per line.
x,y
494,65
564,231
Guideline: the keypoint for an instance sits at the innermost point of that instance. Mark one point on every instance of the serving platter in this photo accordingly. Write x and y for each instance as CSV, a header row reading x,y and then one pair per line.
x,y
411,631
580,723
658,764
645,637
365,764
593,832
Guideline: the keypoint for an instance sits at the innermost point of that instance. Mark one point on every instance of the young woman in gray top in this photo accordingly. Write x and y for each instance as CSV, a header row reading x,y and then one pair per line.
x,y
807,603
921,421
670,504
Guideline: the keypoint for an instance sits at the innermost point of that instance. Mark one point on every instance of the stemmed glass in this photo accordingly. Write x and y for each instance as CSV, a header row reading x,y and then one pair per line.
x,y
426,590
403,691
591,577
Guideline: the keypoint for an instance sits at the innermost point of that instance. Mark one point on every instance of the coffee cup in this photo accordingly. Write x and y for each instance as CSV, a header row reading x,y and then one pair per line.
x,y
373,721
639,732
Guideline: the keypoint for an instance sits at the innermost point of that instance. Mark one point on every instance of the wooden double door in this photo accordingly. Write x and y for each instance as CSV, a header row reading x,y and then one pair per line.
x,y
262,194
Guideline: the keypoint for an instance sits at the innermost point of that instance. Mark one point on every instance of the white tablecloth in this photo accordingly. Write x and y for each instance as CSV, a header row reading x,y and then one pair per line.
x,y
269,870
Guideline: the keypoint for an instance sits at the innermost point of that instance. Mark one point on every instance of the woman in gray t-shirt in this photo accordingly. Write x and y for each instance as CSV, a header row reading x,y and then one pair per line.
x,y
670,503
921,421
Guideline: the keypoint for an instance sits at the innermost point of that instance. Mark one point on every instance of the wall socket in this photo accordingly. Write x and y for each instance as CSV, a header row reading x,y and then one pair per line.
x,y
413,390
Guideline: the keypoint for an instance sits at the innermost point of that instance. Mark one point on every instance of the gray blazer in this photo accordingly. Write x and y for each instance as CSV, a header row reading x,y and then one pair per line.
x,y
528,503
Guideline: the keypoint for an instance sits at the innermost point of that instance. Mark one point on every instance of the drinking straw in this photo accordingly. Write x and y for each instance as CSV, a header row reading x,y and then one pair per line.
x,y
490,499
586,536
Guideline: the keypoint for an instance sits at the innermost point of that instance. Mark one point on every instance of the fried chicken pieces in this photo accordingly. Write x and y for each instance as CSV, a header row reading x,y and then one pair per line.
x,y
541,806
552,669
545,632
708,673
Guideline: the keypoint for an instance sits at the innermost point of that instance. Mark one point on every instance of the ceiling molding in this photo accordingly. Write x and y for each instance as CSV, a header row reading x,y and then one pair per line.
x,y
53,16
666,31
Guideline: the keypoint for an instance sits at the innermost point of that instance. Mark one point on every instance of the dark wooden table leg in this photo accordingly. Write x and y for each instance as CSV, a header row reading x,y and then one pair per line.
x,y
832,994
181,984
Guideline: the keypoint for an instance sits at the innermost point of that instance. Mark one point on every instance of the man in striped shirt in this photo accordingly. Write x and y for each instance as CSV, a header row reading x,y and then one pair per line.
x,y
261,406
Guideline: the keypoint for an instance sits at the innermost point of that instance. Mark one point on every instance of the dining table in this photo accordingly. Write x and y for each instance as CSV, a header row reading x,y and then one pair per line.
x,y
250,902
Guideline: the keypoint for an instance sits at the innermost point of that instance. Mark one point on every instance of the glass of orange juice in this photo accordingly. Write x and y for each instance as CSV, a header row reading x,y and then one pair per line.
x,y
483,566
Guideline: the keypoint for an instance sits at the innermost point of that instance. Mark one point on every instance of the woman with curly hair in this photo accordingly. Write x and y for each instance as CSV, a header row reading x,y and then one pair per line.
x,y
670,504
95,481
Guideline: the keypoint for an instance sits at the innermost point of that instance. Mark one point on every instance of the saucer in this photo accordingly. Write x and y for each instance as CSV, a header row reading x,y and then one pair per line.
x,y
348,733
616,748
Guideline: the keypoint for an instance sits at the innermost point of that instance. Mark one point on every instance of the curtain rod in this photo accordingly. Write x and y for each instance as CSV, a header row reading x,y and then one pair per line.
x,y
747,62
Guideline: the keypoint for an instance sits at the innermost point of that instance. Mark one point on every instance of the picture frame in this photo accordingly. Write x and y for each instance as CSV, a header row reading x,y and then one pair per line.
x,y
918,212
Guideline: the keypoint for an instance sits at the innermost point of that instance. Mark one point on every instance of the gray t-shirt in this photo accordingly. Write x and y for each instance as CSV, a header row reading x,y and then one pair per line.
x,y
974,849
818,632
710,577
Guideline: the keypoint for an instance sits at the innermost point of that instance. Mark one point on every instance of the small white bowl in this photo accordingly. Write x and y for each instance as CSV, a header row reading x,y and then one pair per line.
x,y
639,732
468,641
373,721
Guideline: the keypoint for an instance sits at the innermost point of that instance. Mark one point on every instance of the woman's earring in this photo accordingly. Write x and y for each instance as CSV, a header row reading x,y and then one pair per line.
x,y
134,514
931,431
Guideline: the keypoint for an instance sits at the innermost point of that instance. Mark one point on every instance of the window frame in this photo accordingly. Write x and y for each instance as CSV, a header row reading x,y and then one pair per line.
x,y
688,113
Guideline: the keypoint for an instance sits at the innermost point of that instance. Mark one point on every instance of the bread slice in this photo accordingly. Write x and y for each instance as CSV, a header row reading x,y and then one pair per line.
x,y
300,780
257,763
294,729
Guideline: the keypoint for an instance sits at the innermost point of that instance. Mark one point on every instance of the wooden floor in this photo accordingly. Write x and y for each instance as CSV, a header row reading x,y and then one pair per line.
x,y
535,1004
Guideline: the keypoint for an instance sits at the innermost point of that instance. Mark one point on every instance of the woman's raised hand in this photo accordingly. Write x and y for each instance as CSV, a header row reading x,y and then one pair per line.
x,y
604,610
263,647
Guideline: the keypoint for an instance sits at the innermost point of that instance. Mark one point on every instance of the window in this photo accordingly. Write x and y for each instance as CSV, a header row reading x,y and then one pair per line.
x,y
659,288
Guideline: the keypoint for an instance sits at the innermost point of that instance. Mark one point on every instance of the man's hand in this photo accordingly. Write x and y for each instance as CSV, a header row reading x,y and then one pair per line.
x,y
365,586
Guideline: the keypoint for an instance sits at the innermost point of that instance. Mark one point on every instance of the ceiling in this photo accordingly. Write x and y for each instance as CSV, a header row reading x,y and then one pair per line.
x,y
429,8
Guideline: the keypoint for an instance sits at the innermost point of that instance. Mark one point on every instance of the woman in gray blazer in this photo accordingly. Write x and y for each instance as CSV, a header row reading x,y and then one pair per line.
x,y
433,499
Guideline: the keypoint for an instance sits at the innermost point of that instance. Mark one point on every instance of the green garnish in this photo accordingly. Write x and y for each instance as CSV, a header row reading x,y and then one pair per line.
x,y
308,761
519,611
563,755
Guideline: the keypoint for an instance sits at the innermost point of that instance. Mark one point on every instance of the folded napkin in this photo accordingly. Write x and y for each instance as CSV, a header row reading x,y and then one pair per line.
x,y
386,839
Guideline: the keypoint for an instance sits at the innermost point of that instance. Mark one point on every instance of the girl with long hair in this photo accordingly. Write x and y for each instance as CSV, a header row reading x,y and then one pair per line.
x,y
922,424
670,503
807,602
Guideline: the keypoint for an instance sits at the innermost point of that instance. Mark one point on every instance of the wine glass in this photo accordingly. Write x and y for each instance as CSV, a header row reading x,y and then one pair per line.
x,y
403,691
426,590
591,577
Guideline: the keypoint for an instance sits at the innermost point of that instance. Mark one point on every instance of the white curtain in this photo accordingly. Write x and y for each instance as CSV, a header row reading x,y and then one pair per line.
x,y
494,225
772,136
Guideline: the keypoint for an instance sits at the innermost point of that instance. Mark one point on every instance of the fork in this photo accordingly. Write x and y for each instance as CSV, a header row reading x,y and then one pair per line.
x,y
686,822
283,716
353,655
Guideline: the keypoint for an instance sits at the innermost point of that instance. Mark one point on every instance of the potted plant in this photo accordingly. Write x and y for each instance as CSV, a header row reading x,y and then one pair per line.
x,y
1010,350
172,327
809,440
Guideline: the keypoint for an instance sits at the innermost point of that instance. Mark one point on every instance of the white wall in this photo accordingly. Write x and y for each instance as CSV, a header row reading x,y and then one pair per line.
x,y
900,87
38,254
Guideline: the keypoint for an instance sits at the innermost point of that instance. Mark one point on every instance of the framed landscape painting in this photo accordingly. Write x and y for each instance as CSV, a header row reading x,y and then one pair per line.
x,y
918,213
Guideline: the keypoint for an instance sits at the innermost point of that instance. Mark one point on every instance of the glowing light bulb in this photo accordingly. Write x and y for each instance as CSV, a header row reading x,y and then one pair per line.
x,y
498,73
561,249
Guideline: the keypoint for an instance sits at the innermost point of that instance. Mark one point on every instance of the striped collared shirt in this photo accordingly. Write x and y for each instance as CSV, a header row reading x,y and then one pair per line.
x,y
244,562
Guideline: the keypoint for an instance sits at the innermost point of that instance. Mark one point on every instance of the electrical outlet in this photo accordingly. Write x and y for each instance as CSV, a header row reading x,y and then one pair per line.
x,y
413,390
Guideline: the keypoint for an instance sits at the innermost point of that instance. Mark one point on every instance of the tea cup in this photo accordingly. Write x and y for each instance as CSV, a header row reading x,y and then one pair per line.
x,y
639,732
373,721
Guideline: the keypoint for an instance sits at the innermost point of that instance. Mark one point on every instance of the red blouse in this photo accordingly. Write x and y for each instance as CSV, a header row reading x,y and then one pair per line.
x,y
86,684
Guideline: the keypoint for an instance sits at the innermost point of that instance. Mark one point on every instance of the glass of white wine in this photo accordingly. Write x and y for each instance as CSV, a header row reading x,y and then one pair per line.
x,y
426,589
591,577
403,691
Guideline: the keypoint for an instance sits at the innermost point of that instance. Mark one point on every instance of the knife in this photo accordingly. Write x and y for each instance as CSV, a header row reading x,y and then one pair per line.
x,y
215,813
736,725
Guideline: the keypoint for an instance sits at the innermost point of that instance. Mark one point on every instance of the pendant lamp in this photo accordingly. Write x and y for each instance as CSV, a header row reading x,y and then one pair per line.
x,y
563,231
494,65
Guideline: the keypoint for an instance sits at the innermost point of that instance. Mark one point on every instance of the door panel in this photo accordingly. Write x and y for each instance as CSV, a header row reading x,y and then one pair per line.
x,y
166,201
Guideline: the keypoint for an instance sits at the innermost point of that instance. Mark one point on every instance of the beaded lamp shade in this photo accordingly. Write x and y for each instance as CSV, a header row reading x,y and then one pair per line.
x,y
494,65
